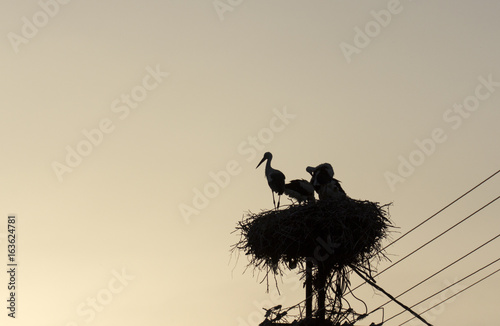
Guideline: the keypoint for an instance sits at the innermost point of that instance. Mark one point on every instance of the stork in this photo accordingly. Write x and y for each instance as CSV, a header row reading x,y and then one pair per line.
x,y
321,174
275,178
323,181
300,190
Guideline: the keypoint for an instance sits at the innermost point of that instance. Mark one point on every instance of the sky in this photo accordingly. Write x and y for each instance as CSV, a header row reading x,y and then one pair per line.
x,y
130,132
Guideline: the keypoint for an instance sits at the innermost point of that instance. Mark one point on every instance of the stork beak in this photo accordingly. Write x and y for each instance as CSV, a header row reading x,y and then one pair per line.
x,y
263,159
310,169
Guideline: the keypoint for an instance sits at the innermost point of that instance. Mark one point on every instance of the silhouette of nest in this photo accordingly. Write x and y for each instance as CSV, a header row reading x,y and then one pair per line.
x,y
335,233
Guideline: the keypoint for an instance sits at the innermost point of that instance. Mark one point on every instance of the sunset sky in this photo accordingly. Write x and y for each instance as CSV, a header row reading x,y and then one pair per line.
x,y
130,132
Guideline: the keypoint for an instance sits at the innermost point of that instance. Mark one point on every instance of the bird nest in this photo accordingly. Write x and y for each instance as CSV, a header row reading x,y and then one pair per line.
x,y
335,233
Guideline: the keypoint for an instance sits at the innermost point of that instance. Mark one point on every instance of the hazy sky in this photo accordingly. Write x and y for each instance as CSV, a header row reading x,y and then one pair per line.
x,y
130,132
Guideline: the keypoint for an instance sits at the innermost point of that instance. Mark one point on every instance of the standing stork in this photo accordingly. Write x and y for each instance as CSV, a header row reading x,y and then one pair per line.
x,y
324,183
275,178
300,190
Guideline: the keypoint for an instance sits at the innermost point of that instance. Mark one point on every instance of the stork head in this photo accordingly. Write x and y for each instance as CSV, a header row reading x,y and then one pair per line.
x,y
327,167
310,170
267,156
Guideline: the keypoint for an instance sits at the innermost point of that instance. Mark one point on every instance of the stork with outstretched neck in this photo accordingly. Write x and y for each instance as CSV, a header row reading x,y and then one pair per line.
x,y
275,178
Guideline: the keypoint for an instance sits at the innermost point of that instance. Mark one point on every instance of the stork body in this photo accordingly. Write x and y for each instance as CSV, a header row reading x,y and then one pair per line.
x,y
275,178
331,190
300,190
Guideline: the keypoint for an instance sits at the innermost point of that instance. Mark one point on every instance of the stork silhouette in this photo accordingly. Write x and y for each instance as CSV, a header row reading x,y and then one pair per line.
x,y
275,178
324,183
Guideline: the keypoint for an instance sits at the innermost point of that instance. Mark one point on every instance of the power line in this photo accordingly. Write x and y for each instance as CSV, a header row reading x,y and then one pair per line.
x,y
372,283
442,209
446,288
428,242
442,269
441,234
454,295
426,220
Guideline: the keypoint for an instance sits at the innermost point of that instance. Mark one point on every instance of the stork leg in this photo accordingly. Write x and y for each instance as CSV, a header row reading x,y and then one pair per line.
x,y
279,197
274,202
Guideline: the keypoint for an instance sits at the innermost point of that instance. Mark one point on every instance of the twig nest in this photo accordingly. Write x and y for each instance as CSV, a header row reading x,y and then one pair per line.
x,y
335,233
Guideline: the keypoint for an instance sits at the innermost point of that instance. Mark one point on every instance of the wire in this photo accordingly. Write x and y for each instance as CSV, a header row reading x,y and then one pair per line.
x,y
442,209
372,283
446,288
453,295
428,242
442,269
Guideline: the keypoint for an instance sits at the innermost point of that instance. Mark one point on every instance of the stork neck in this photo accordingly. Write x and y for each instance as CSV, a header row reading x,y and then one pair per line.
x,y
268,164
